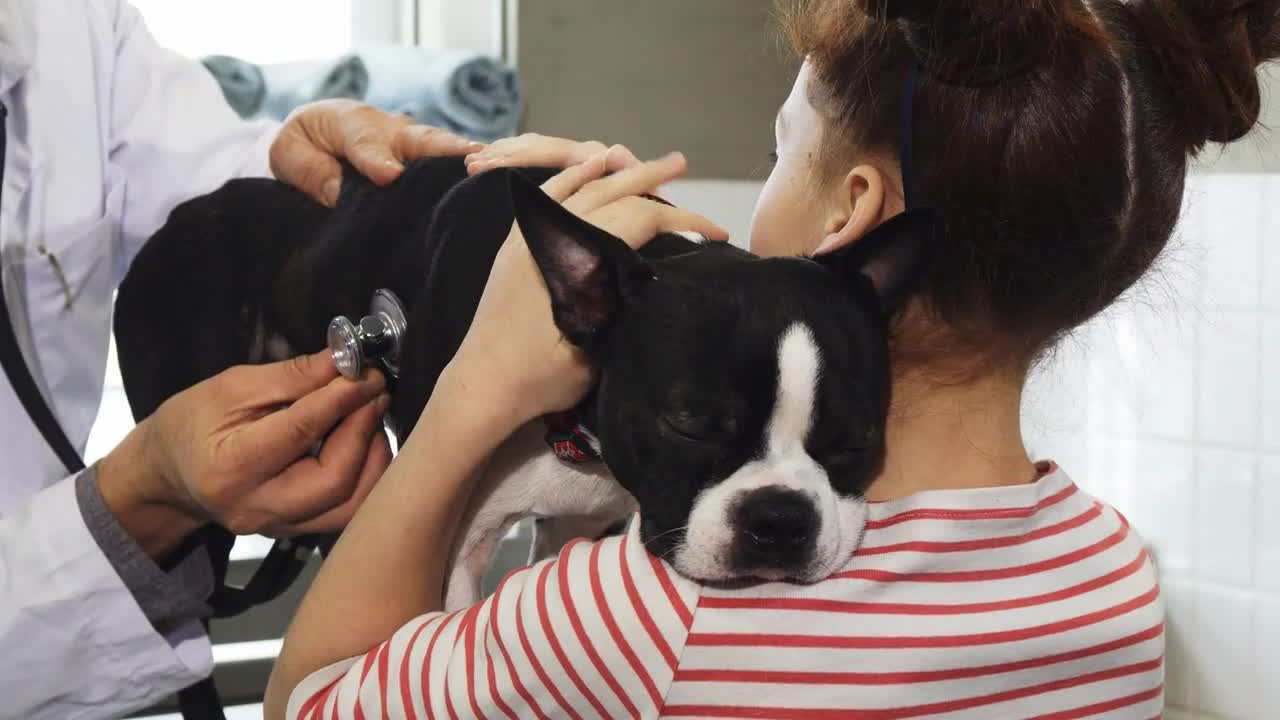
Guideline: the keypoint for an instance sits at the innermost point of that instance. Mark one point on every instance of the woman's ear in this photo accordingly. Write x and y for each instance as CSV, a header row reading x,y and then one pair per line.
x,y
888,258
859,207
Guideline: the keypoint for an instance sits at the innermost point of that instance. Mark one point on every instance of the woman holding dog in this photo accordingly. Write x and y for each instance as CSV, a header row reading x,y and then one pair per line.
x,y
1052,137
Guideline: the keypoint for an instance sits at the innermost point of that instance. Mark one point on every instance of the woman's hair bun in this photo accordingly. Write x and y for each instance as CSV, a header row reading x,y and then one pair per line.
x,y
977,43
1208,52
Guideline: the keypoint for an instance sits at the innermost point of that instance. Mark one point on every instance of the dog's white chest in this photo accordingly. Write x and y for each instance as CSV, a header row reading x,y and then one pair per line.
x,y
526,479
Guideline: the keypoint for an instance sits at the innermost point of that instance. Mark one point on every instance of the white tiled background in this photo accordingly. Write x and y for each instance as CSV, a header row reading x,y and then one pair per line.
x,y
1169,408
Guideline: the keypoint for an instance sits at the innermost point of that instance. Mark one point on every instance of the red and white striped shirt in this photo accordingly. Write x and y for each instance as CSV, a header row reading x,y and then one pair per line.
x,y
1012,602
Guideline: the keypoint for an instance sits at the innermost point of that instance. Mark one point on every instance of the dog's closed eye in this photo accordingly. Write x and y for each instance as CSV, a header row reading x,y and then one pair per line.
x,y
843,458
693,428
847,455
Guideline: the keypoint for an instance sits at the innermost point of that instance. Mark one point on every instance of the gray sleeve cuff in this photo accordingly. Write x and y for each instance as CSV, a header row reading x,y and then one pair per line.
x,y
166,598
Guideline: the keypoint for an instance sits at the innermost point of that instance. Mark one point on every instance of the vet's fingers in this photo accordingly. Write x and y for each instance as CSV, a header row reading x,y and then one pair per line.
x,y
645,177
283,382
281,437
419,141
378,144
377,459
297,160
311,488
367,146
264,388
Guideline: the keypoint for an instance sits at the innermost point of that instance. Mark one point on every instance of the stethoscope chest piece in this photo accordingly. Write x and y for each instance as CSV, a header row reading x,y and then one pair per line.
x,y
376,338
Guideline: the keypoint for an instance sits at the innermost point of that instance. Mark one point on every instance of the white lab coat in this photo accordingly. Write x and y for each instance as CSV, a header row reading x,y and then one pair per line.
x,y
106,133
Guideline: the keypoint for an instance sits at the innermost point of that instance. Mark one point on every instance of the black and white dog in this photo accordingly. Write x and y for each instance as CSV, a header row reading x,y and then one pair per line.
x,y
741,401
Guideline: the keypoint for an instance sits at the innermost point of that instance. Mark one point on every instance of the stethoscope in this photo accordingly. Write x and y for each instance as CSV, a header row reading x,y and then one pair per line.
x,y
376,339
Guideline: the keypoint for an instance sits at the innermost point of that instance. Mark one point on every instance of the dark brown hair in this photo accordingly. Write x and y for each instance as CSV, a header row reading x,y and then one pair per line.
x,y
1053,136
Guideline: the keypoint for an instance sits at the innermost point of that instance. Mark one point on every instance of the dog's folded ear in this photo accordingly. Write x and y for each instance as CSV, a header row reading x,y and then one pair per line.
x,y
590,274
889,257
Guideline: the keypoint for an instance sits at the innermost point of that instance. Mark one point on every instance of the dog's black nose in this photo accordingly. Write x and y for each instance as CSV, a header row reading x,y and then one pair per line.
x,y
775,528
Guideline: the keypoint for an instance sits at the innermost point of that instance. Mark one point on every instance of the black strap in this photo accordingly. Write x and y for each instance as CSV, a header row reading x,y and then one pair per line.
x,y
907,136
278,570
201,701
15,366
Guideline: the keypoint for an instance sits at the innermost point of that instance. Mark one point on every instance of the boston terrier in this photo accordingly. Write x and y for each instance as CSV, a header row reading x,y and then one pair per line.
x,y
740,408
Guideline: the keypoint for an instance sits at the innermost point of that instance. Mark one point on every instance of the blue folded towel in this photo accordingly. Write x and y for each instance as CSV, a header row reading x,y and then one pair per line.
x,y
466,92
241,83
289,85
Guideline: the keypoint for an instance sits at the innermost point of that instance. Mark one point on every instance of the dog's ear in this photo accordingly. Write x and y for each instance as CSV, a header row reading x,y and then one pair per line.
x,y
590,274
889,257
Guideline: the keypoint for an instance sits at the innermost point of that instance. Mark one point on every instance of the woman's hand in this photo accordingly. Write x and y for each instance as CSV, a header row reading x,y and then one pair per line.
x,y
533,150
377,144
234,450
513,349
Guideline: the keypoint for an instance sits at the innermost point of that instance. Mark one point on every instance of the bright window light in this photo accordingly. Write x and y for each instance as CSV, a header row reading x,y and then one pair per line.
x,y
260,31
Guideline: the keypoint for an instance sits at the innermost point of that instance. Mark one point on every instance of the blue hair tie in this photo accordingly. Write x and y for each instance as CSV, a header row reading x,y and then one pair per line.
x,y
906,136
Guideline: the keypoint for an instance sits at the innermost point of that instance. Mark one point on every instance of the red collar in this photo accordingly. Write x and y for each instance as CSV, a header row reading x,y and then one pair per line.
x,y
570,440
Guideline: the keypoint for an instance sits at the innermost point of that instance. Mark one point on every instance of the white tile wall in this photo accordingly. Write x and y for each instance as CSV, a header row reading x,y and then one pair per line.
x,y
1181,386
1270,390
1266,571
1267,619
1229,381
1180,611
1223,651
1166,478
1233,278
1224,516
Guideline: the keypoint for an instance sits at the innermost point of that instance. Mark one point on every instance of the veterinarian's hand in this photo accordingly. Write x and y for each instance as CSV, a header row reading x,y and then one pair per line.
x,y
234,450
513,348
534,150
377,144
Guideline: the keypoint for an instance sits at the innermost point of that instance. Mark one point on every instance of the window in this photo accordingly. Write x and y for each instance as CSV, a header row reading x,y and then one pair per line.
x,y
256,30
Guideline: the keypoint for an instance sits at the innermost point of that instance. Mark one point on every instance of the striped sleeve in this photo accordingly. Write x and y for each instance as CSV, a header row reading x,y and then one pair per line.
x,y
594,633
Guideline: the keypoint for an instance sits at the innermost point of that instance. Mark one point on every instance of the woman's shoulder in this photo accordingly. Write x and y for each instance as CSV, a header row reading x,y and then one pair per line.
x,y
986,598
1036,532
